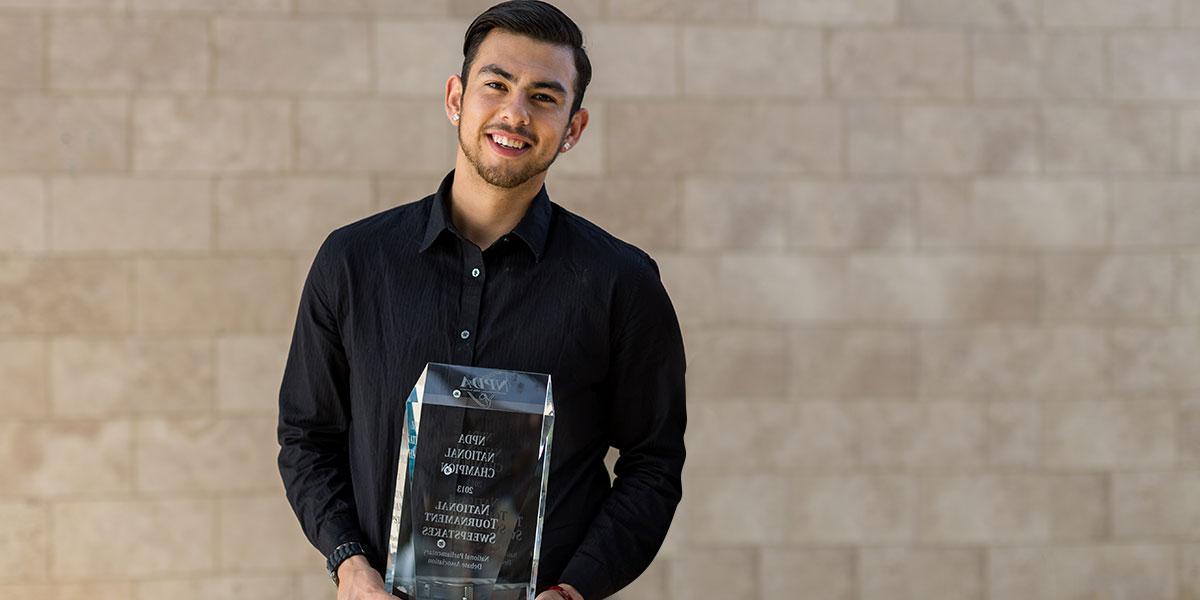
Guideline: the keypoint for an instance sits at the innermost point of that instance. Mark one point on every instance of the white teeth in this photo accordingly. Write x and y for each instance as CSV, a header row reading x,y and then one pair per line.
x,y
507,143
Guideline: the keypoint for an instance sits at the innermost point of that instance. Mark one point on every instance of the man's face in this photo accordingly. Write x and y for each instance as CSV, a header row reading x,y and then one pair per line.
x,y
516,107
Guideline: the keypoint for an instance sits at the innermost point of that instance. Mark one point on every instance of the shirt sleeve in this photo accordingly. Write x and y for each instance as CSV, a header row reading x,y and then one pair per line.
x,y
646,418
314,417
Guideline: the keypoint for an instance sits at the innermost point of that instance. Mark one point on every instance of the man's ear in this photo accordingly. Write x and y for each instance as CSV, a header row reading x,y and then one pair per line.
x,y
579,122
454,93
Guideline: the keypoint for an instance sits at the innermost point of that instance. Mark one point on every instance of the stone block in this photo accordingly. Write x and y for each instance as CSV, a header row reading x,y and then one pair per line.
x,y
129,53
1038,65
44,133
1187,287
746,62
782,288
1188,448
902,64
993,14
743,362
376,7
215,295
294,55
1024,213
287,214
1155,359
915,435
648,55
660,138
942,287
722,11
985,509
1108,13
822,574
406,136
692,282
25,393
1013,434
575,9
249,373
196,134
1154,65
1109,434
921,574
69,591
851,215
265,587
1109,572
103,377
413,57
1103,140
1013,360
853,363
828,12
707,572
1188,140
67,458
21,52
946,213
738,436
392,191
23,215
64,296
853,508
642,211
116,215
1079,508
963,140
212,6
724,214
107,538
874,144
1107,286
24,541
1155,213
260,532
206,454
1156,505
737,509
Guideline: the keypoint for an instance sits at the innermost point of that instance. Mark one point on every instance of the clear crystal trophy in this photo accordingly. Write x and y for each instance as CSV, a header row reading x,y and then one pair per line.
x,y
471,485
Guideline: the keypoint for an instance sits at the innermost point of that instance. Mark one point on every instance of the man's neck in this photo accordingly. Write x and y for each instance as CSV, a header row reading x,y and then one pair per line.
x,y
483,212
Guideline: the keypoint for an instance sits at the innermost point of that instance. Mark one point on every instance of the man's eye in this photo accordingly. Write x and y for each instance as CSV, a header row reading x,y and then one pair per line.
x,y
544,98
496,85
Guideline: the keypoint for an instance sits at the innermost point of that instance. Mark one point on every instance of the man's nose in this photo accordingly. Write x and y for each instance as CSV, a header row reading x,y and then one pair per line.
x,y
516,110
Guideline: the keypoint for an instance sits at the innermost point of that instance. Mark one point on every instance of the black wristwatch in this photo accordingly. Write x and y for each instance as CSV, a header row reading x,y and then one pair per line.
x,y
339,556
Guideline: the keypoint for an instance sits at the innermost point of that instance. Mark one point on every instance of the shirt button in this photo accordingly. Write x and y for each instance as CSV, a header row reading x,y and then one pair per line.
x,y
465,334
475,272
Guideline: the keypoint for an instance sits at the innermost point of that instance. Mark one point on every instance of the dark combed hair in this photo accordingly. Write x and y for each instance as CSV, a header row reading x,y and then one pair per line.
x,y
538,20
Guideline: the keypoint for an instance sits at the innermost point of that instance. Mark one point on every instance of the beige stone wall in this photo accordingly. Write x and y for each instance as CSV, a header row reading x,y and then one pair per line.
x,y
937,261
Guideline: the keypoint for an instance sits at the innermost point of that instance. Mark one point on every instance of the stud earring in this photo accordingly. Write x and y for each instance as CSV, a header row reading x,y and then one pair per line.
x,y
566,146
455,117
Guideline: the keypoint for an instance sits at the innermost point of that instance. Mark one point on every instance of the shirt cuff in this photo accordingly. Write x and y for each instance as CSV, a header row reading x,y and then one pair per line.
x,y
589,576
337,531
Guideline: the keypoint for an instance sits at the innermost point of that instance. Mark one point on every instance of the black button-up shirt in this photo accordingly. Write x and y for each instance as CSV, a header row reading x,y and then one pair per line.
x,y
558,295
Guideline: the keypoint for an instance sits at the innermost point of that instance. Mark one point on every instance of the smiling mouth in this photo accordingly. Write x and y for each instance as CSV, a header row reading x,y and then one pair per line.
x,y
507,146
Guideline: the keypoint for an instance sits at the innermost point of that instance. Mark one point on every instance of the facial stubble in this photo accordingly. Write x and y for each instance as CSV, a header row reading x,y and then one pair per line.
x,y
500,176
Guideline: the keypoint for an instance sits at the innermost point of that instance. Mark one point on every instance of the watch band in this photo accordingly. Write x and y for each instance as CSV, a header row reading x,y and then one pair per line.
x,y
339,556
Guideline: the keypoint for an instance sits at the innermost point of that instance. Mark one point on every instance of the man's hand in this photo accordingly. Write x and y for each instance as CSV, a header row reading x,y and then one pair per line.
x,y
554,595
358,581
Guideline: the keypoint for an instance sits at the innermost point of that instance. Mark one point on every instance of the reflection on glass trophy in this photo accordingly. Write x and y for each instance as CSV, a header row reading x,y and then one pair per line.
x,y
471,485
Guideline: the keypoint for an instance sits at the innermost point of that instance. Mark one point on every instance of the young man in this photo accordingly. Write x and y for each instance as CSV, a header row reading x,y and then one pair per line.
x,y
489,272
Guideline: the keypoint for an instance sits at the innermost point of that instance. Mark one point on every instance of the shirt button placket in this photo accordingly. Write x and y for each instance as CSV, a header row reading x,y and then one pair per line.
x,y
472,297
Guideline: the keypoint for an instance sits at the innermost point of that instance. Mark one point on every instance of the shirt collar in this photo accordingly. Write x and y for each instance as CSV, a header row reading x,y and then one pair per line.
x,y
533,228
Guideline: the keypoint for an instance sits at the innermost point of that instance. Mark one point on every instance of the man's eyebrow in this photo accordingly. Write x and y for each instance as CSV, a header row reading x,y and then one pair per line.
x,y
498,70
